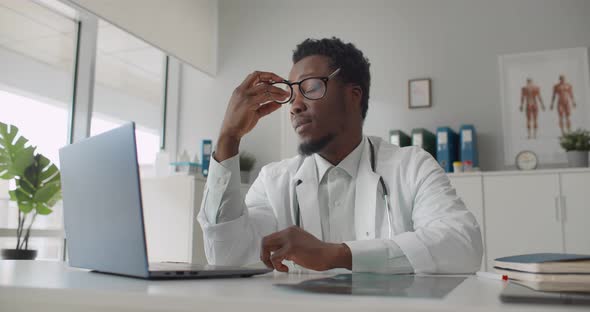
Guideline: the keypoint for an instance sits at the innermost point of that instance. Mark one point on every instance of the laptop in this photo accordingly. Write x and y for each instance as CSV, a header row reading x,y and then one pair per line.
x,y
103,213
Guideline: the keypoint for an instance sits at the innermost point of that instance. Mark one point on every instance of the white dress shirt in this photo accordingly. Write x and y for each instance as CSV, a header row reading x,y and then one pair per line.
x,y
336,196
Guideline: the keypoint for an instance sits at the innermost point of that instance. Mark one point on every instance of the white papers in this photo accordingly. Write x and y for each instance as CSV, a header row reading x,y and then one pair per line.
x,y
442,138
467,136
417,139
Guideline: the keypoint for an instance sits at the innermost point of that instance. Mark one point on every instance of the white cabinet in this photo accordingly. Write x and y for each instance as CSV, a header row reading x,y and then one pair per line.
x,y
526,212
521,214
575,205
469,187
170,207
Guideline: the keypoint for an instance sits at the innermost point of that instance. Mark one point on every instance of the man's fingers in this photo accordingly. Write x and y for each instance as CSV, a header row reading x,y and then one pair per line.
x,y
265,258
277,259
268,108
266,77
258,77
268,245
265,88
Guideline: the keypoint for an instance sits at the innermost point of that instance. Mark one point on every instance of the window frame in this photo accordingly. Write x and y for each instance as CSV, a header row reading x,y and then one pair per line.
x,y
80,109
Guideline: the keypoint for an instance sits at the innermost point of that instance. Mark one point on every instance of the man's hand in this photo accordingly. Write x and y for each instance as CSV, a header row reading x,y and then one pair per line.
x,y
304,249
250,101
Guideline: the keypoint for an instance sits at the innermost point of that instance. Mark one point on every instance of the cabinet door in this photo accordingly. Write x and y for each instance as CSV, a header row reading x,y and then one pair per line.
x,y
469,188
167,203
575,191
521,215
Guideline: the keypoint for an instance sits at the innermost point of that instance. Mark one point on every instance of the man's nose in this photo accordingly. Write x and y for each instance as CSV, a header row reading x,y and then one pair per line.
x,y
297,103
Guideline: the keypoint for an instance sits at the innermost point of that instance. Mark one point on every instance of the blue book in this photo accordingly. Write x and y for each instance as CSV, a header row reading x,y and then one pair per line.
x,y
206,150
546,263
446,148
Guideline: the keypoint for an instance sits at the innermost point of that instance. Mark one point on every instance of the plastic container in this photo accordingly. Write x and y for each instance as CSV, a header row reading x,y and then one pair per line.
x,y
467,166
457,166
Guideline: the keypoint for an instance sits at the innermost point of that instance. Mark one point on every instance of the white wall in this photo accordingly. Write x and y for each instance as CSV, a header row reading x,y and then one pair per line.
x,y
455,42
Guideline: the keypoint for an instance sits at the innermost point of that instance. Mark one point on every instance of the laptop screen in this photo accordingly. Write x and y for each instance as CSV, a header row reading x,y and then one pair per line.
x,y
103,216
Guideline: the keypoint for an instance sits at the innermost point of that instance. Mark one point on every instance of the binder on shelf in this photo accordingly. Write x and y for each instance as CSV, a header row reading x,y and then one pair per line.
x,y
206,149
446,147
399,138
468,145
424,139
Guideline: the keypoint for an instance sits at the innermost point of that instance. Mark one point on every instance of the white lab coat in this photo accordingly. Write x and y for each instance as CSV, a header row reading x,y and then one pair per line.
x,y
431,225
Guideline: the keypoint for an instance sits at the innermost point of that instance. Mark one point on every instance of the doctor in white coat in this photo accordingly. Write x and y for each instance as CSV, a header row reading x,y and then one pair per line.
x,y
347,200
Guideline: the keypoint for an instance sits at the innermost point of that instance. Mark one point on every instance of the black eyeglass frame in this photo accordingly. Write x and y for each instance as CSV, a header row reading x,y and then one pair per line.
x,y
298,83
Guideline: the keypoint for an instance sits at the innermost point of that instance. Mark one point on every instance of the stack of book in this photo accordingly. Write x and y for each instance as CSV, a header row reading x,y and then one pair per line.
x,y
547,271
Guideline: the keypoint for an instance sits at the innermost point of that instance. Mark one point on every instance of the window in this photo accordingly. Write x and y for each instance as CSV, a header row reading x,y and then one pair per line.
x,y
38,42
129,86
37,61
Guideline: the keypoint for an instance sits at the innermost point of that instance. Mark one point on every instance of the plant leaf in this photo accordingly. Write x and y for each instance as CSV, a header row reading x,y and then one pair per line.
x,y
15,155
42,209
41,184
48,193
25,204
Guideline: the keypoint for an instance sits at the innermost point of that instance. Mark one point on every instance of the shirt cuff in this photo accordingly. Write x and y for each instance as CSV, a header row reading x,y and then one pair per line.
x,y
223,178
378,256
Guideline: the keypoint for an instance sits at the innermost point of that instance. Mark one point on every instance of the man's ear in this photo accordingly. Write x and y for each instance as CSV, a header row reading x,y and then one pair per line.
x,y
357,96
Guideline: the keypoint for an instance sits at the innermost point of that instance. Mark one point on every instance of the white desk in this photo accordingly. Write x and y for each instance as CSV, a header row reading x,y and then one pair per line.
x,y
52,286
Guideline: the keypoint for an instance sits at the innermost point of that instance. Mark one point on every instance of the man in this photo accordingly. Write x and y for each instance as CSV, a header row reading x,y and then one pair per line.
x,y
529,95
347,201
565,94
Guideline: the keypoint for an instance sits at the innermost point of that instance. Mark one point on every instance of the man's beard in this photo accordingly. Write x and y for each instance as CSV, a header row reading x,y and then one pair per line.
x,y
312,147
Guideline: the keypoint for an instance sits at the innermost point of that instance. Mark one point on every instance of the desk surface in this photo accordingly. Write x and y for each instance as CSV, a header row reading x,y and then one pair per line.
x,y
53,286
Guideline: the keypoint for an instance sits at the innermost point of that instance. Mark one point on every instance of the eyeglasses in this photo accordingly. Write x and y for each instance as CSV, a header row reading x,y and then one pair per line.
x,y
312,88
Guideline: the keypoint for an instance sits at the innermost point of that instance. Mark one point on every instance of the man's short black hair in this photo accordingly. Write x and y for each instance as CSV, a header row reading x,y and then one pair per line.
x,y
354,66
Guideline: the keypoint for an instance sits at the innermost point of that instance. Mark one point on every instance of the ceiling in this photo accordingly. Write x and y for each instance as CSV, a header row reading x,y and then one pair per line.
x,y
123,62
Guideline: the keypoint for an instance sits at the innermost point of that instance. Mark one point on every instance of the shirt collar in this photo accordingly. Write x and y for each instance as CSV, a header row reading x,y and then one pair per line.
x,y
349,164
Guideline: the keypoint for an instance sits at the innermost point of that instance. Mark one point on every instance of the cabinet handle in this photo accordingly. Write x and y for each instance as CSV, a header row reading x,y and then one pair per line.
x,y
556,208
563,208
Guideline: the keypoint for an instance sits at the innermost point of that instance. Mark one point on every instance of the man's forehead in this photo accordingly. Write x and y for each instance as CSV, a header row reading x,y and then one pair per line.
x,y
314,65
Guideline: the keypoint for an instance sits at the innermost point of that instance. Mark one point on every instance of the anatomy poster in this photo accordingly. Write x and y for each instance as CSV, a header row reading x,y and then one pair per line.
x,y
544,94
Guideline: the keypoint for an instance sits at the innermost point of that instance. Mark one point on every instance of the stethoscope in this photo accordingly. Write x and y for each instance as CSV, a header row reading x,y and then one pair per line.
x,y
383,187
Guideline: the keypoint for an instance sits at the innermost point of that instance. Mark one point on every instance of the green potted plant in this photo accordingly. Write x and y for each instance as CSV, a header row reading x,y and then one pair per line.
x,y
37,186
577,145
247,162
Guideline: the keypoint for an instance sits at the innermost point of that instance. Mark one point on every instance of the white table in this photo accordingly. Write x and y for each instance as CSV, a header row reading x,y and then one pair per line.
x,y
53,286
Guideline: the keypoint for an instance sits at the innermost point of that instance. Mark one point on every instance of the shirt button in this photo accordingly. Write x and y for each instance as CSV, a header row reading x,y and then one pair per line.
x,y
337,204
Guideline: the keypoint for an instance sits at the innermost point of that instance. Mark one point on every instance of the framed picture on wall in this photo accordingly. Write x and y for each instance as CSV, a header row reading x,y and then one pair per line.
x,y
420,93
544,95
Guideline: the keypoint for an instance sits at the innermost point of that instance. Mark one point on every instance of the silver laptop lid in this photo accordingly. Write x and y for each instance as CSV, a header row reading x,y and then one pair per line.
x,y
102,204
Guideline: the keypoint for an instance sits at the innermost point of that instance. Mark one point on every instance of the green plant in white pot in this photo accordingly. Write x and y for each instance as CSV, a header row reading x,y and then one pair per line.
x,y
247,162
577,145
37,185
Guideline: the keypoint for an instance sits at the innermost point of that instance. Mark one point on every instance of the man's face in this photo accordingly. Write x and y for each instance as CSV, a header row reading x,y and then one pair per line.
x,y
317,122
